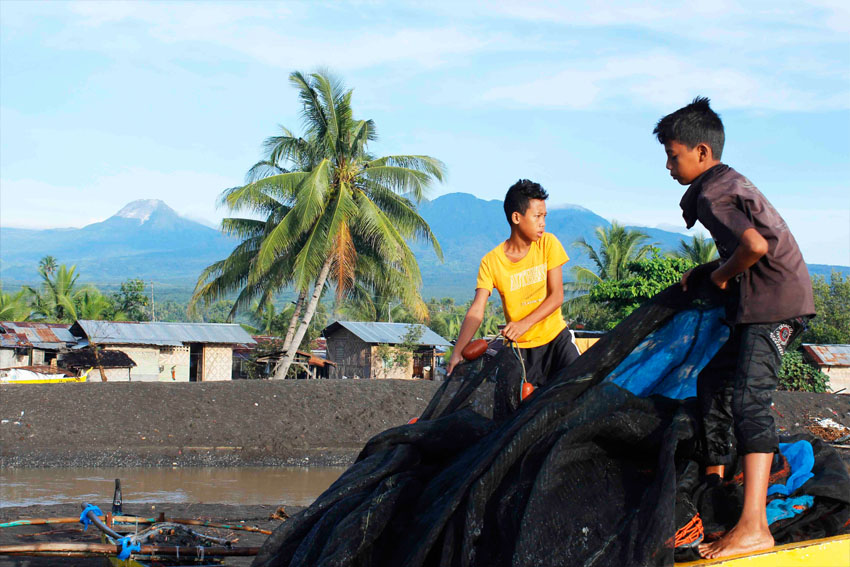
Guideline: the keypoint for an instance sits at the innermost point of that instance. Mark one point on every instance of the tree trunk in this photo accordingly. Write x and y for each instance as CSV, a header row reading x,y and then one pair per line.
x,y
286,362
293,323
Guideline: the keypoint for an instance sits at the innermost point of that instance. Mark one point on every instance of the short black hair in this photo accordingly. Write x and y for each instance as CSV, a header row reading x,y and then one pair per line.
x,y
692,125
520,193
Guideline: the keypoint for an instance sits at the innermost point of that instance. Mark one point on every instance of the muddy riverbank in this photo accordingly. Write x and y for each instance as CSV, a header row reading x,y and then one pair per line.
x,y
236,423
242,422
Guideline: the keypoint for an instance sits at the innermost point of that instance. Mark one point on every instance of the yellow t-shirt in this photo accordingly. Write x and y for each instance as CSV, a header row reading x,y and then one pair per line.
x,y
522,286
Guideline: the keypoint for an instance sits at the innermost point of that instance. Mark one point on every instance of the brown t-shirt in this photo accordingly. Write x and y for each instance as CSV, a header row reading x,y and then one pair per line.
x,y
778,286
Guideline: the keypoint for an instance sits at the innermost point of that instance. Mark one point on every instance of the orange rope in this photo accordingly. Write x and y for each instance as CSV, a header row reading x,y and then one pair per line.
x,y
689,533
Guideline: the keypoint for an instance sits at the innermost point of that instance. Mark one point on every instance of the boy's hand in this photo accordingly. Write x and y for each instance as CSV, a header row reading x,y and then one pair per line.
x,y
684,281
514,330
718,280
455,359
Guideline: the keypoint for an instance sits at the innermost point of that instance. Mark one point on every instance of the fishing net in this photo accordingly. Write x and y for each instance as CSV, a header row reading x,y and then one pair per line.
x,y
599,467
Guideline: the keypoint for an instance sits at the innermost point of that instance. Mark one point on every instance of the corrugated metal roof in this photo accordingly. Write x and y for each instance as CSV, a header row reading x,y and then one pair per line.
x,y
25,334
386,333
162,334
829,355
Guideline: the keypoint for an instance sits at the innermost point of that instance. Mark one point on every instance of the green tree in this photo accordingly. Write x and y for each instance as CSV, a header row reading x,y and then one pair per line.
x,y
14,306
618,247
89,303
54,299
699,250
647,278
131,300
832,303
345,196
47,265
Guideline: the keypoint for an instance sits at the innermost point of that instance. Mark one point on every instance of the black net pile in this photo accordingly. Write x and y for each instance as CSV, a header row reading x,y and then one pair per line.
x,y
599,467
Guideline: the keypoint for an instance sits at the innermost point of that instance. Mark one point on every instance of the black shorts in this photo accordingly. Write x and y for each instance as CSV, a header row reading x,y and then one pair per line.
x,y
735,391
540,363
544,361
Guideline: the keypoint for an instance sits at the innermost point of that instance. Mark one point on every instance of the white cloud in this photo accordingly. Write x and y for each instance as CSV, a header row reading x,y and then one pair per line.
x,y
661,79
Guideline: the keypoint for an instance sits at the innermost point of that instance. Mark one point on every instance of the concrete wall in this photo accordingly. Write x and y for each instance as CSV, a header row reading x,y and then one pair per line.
x,y
8,358
218,362
173,364
839,378
381,371
170,364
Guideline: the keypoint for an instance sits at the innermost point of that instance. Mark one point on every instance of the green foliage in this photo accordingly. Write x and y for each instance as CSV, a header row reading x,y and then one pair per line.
x,y
832,303
259,370
132,301
14,306
589,315
648,277
700,250
798,375
618,247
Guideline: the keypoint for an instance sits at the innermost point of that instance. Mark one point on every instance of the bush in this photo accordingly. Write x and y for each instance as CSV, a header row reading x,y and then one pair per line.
x,y
798,375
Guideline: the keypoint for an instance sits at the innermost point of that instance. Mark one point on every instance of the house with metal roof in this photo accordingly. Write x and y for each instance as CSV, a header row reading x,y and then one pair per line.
x,y
371,350
29,343
168,352
834,361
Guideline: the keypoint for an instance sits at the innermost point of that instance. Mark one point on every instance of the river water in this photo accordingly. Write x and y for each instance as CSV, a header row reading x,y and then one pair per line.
x,y
296,486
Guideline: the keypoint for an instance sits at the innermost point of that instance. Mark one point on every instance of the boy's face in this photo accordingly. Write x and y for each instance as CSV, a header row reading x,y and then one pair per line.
x,y
686,164
532,224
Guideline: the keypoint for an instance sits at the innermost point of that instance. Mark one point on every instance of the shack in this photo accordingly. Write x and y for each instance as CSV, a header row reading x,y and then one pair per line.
x,y
168,352
26,343
359,350
834,361
261,359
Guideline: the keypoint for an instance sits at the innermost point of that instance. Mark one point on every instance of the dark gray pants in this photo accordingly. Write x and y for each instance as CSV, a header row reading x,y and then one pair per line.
x,y
735,391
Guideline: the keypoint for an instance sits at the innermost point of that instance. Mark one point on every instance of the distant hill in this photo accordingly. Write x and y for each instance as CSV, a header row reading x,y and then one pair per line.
x,y
149,240
145,239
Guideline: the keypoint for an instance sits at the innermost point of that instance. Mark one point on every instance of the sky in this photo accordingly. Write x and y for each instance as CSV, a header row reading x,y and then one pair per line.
x,y
102,103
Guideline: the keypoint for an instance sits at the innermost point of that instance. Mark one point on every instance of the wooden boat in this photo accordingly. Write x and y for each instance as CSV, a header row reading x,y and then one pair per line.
x,y
832,551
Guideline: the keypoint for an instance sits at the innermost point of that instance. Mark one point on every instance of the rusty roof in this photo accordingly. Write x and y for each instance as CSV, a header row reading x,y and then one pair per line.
x,y
30,334
829,355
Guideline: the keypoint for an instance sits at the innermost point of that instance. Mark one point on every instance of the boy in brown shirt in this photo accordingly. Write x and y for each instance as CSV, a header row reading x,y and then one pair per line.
x,y
769,300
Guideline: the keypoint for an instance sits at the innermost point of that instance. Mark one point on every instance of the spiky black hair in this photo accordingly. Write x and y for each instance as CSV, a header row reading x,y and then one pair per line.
x,y
692,125
520,193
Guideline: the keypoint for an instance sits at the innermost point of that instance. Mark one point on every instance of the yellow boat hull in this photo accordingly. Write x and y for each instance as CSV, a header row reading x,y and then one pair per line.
x,y
827,552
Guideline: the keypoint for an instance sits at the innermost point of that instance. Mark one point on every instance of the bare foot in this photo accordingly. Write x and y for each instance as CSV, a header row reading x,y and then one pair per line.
x,y
740,539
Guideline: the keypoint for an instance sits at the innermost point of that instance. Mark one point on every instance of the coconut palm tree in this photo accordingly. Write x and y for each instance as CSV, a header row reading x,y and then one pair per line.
x,y
700,249
14,307
333,196
618,247
47,264
54,301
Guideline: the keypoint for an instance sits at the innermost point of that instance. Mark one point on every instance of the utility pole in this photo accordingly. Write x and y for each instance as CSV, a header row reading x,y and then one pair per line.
x,y
153,304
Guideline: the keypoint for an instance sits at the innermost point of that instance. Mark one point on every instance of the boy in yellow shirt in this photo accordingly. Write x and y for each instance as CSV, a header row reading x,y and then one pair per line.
x,y
526,270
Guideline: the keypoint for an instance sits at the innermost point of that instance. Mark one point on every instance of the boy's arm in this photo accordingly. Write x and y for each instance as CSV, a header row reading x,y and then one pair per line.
x,y
554,298
473,319
751,247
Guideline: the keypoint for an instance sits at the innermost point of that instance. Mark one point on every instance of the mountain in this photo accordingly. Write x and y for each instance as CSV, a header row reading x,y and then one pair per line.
x,y
468,227
146,239
149,240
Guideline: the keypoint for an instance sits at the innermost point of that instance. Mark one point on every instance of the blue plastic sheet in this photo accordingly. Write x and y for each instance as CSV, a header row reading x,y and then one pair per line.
x,y
801,459
669,360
